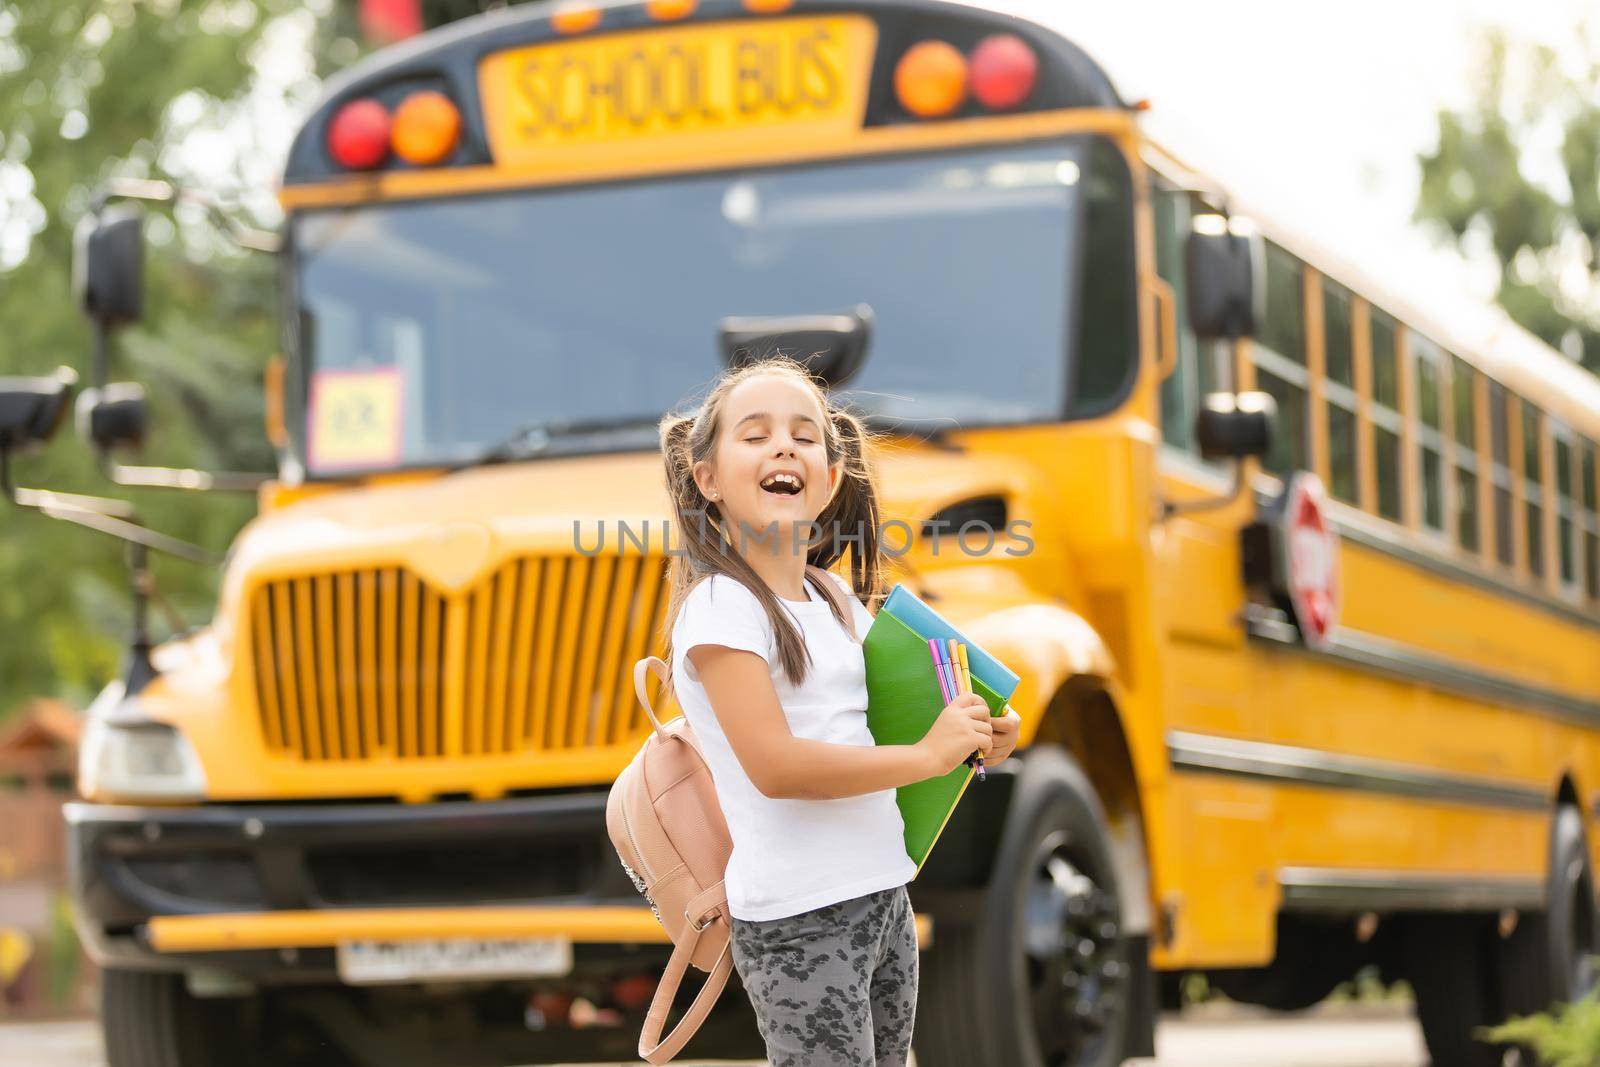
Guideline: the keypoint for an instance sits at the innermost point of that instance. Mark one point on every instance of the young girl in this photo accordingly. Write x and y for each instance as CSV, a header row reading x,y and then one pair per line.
x,y
775,688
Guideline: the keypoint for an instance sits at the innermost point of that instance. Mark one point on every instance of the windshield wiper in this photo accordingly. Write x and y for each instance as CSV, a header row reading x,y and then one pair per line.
x,y
923,429
535,438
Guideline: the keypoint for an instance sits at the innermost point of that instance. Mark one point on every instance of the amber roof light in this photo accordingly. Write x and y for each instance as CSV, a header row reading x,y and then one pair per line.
x,y
931,79
426,127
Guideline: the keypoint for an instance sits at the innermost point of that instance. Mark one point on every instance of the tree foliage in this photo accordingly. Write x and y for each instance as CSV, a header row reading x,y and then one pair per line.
x,y
146,89
1517,175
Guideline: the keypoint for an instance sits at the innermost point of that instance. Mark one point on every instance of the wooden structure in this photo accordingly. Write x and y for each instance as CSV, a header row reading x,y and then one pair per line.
x,y
38,766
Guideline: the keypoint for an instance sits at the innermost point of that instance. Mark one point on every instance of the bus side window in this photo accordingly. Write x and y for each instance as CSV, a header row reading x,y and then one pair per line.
x,y
1533,486
1587,491
1203,366
1464,404
1279,355
1340,392
1385,413
1500,474
1428,360
1566,509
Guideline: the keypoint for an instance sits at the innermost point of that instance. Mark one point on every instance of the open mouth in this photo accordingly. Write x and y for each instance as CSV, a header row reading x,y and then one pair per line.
x,y
782,484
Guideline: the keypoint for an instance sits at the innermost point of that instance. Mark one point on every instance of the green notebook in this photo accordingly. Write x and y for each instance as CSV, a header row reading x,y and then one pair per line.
x,y
903,700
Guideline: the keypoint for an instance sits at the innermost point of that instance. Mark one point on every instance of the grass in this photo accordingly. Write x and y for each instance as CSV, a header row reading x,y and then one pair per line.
x,y
1566,1036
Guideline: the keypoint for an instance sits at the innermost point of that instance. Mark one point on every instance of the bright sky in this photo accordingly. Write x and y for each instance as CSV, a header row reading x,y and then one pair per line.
x,y
1313,112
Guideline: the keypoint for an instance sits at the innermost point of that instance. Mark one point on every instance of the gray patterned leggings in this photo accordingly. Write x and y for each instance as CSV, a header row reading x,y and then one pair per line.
x,y
835,986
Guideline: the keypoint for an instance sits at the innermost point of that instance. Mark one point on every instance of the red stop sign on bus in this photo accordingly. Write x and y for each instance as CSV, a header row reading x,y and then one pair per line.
x,y
1312,551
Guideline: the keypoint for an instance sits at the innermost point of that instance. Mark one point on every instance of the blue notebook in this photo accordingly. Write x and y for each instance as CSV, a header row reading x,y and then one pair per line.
x,y
910,609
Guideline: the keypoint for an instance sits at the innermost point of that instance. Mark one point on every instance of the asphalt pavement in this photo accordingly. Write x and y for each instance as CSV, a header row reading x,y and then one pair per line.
x,y
1355,1039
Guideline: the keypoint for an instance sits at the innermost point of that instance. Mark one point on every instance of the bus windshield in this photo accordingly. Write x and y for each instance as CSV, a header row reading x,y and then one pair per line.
x,y
464,319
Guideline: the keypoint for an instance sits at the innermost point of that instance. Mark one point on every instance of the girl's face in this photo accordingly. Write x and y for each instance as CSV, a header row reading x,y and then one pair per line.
x,y
771,427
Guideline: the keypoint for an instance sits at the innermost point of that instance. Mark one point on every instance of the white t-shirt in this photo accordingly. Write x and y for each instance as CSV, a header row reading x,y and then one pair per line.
x,y
791,855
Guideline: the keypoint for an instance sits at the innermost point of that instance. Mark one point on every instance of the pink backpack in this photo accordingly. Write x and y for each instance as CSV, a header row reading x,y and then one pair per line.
x,y
663,816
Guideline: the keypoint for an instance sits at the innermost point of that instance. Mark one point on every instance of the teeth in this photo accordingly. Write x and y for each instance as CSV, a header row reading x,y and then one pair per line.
x,y
783,479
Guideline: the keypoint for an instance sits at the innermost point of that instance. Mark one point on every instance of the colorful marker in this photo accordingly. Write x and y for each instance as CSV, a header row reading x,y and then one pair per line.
x,y
966,678
955,678
938,669
963,684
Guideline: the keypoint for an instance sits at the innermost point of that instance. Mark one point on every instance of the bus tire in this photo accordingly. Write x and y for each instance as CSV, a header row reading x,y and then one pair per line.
x,y
149,1019
1548,958
1449,963
1041,978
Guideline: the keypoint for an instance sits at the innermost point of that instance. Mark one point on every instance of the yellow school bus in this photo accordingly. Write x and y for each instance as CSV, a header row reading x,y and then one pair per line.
x,y
1299,697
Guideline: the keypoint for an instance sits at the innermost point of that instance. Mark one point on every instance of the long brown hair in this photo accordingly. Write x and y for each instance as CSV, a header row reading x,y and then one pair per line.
x,y
703,546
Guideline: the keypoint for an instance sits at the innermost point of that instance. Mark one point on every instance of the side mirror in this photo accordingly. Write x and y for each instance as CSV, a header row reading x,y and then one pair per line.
x,y
1232,426
31,409
1223,267
113,416
108,266
831,347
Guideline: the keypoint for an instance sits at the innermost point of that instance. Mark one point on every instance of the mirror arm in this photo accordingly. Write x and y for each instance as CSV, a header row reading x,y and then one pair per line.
x,y
115,517
112,517
138,670
1170,508
181,477
135,534
100,359
167,193
40,499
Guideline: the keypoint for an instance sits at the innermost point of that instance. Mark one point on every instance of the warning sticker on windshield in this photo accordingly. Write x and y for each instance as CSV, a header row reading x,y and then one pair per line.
x,y
355,418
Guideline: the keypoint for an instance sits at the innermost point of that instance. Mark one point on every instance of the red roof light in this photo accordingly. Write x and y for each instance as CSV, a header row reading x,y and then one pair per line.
x,y
1004,70
358,137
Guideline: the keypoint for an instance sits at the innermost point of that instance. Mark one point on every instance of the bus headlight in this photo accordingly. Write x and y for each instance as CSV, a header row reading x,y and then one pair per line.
x,y
141,759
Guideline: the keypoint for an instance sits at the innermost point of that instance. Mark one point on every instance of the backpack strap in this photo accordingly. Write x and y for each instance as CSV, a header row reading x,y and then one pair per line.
x,y
709,904
653,665
835,595
652,1047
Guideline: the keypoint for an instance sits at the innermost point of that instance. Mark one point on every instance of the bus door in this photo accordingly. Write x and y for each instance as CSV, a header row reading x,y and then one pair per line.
x,y
1222,911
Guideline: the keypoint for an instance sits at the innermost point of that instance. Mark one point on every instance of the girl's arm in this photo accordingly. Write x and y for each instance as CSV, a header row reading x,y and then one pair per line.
x,y
781,765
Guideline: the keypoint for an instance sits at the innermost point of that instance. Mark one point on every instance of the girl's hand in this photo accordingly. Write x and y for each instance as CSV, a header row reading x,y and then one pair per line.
x,y
1006,728
963,727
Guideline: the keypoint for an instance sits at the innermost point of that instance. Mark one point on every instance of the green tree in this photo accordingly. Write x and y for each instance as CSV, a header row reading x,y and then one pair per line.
x,y
1518,173
91,90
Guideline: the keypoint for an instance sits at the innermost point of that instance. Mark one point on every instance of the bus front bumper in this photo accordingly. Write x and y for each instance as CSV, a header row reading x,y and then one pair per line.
x,y
269,890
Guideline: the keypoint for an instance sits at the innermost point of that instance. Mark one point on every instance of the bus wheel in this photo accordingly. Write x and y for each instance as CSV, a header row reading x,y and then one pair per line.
x,y
1549,957
1448,960
150,1020
1571,939
1041,979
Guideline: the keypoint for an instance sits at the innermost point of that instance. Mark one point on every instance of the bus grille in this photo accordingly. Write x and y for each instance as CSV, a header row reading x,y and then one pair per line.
x,y
374,664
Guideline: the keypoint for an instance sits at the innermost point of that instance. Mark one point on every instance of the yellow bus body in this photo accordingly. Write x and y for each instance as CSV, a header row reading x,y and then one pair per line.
x,y
1417,760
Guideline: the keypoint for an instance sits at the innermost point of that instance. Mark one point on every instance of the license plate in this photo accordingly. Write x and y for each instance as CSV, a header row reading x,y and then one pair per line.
x,y
690,87
404,961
